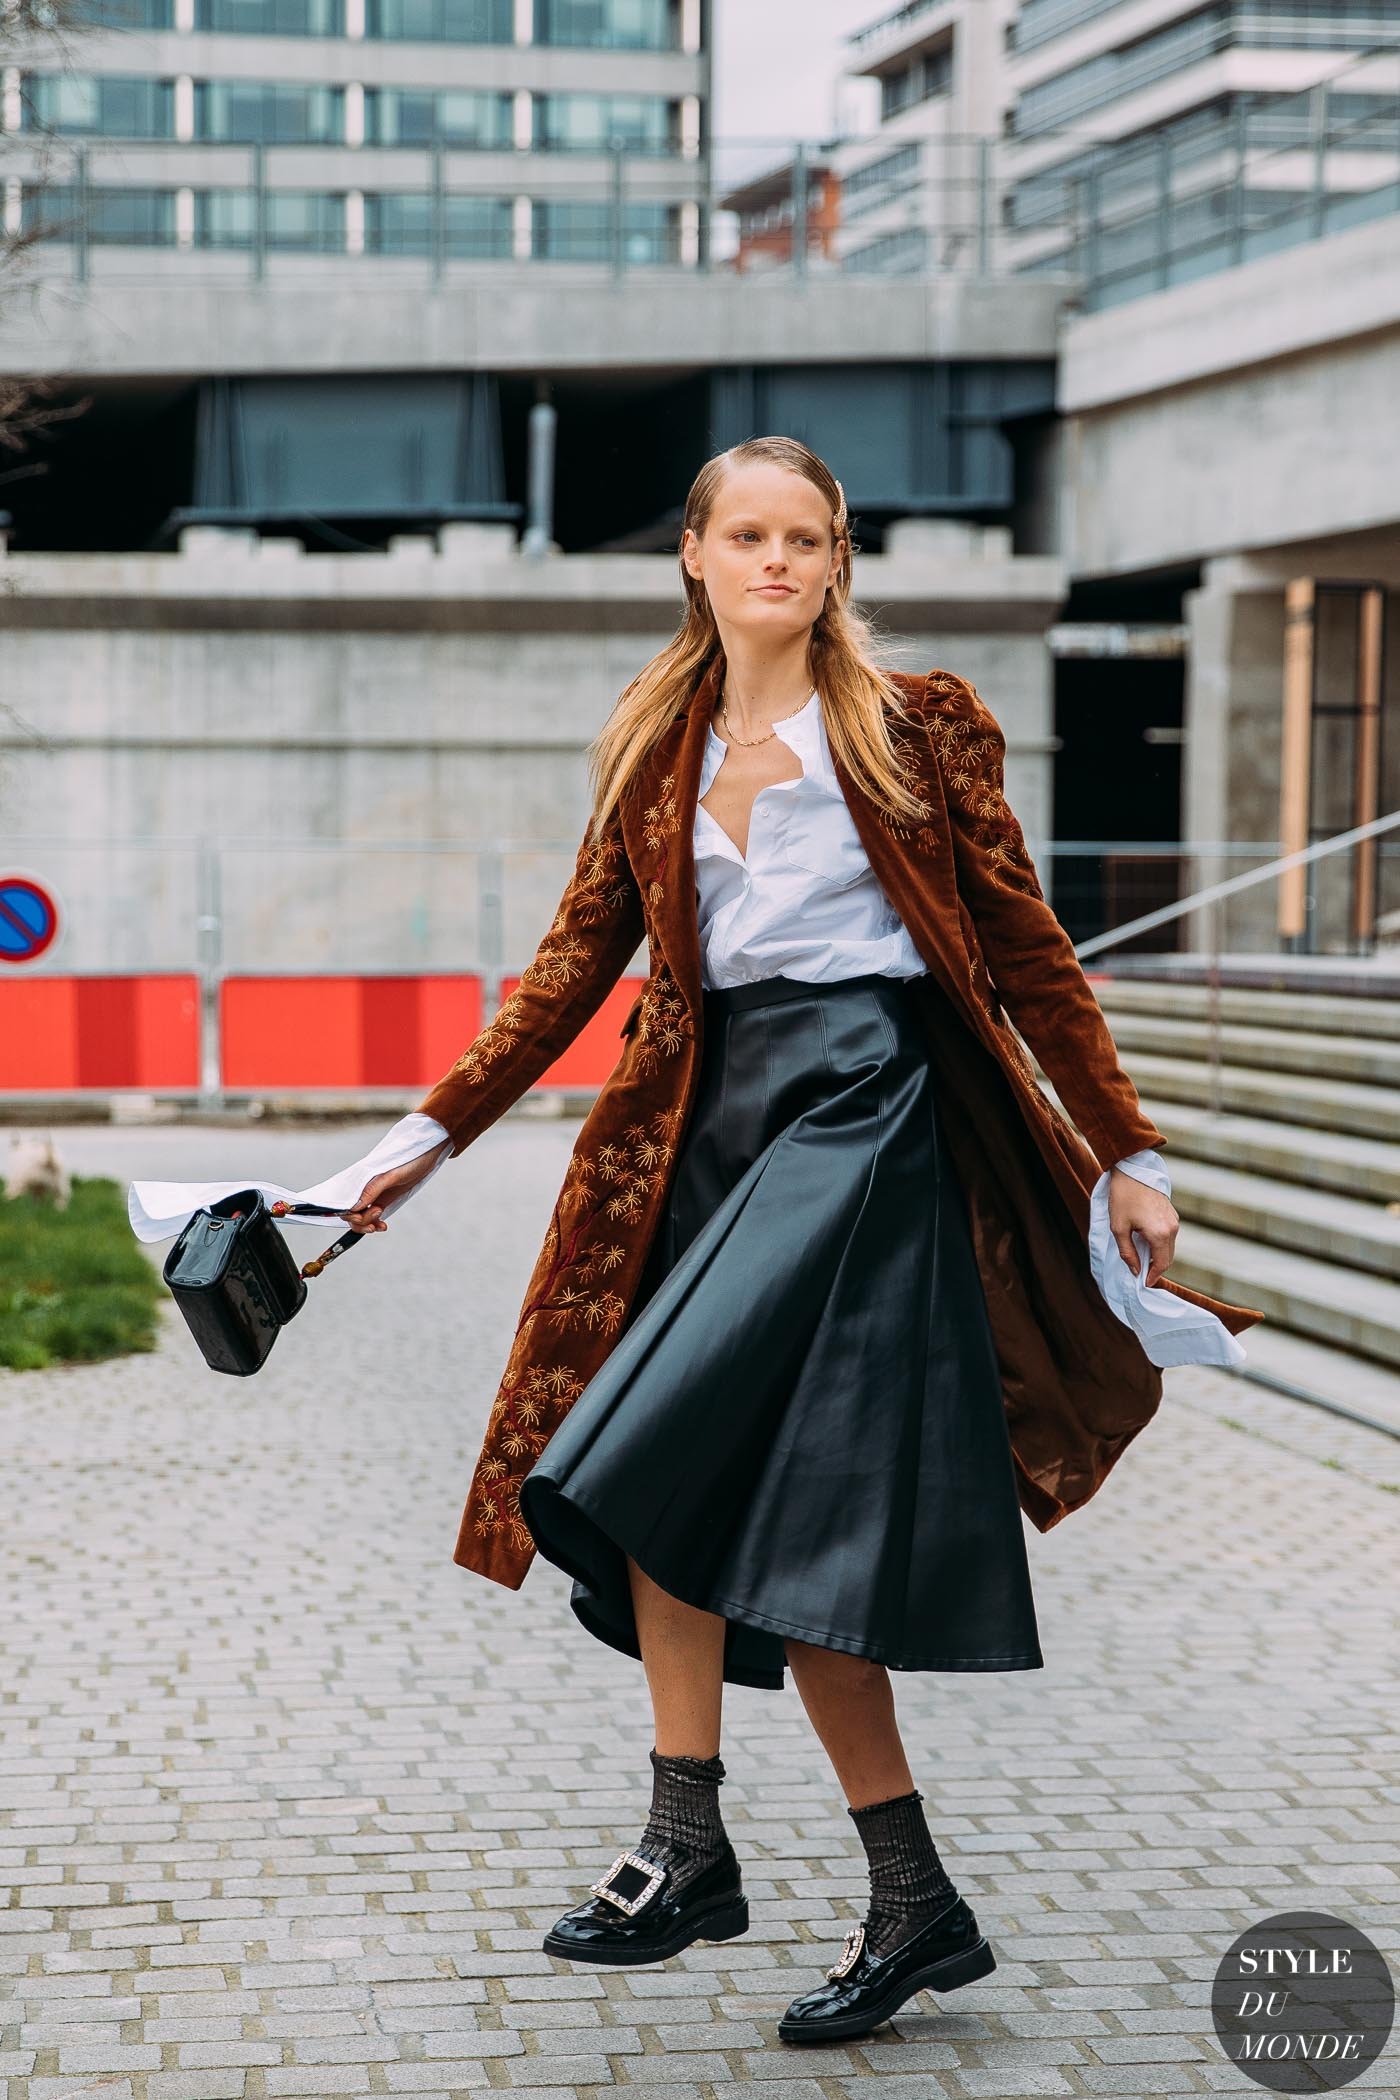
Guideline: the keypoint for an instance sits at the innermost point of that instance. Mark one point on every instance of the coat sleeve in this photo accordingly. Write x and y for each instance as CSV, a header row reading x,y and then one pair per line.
x,y
596,930
1031,958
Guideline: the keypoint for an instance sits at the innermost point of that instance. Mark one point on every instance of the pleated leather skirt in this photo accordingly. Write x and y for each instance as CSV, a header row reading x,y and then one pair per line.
x,y
801,1426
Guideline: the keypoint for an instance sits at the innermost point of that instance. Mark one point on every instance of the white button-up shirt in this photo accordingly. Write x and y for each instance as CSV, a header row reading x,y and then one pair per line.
x,y
803,902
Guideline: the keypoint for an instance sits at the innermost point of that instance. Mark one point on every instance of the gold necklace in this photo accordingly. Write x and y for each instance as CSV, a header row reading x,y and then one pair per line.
x,y
724,716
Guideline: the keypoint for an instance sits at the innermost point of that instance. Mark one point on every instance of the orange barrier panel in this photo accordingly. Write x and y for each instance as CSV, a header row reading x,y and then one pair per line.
x,y
59,1034
289,1032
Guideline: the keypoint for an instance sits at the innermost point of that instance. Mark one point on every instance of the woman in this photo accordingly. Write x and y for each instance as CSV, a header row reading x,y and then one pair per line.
x,y
756,1407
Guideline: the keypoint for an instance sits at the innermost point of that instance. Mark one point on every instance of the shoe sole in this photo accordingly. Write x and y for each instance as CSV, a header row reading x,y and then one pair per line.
x,y
947,1975
726,1923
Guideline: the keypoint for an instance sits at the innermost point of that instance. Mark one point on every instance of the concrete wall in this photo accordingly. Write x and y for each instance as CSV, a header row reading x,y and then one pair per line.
x,y
339,758
1253,408
155,312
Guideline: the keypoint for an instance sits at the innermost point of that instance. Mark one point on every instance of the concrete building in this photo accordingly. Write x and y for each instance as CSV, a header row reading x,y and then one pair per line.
x,y
1151,142
921,195
279,169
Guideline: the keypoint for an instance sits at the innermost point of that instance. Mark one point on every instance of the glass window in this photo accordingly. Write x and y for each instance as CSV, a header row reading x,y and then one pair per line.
x,y
441,21
586,123
311,220
465,117
628,25
124,14
928,75
881,181
893,254
272,17
59,102
570,231
401,223
127,218
114,105
270,112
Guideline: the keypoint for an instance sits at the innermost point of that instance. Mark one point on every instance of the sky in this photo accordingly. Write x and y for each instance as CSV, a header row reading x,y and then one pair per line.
x,y
776,65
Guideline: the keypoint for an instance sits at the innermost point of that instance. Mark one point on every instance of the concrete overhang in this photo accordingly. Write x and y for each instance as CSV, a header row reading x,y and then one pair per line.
x,y
1278,306
348,316
273,586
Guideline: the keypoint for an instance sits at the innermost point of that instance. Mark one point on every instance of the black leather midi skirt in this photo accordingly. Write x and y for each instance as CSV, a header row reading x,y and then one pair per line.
x,y
801,1427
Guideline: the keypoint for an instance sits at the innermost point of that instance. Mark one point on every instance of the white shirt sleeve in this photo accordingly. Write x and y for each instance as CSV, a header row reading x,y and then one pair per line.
x,y
157,1209
1171,1329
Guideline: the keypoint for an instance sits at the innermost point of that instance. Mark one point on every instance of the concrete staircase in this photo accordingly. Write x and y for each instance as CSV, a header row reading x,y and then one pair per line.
x,y
1288,1180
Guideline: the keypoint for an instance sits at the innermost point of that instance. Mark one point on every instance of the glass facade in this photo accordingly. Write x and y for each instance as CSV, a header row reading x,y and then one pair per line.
x,y
1267,24
572,230
128,217
123,14
119,106
901,254
440,21
881,181
309,220
271,17
931,73
461,117
269,112
615,25
587,123
401,223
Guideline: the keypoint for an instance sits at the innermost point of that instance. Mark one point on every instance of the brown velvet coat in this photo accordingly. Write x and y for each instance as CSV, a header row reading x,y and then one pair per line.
x,y
1077,1385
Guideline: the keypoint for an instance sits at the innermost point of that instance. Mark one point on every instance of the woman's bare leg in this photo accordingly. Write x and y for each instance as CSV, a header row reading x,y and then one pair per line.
x,y
683,1655
850,1703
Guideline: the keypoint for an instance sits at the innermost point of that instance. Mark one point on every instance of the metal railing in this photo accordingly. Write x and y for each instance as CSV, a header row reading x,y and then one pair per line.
x,y
1111,220
1208,901
221,907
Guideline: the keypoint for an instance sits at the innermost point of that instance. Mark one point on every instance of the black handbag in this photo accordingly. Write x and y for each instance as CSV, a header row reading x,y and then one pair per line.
x,y
236,1280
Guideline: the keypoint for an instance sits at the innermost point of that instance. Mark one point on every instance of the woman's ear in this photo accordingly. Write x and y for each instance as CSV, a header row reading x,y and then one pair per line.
x,y
690,552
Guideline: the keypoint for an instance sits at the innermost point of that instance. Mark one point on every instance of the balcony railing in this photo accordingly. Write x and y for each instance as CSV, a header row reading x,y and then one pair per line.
x,y
1107,220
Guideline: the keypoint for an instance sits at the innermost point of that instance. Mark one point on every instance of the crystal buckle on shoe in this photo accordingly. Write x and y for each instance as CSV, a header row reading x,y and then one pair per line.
x,y
653,1874
850,1954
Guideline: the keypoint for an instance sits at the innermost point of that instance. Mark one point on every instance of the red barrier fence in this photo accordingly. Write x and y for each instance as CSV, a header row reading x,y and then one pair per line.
x,y
67,1034
60,1034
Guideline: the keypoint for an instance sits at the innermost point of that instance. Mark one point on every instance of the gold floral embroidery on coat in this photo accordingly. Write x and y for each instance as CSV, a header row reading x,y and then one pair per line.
x,y
660,823
608,1191
907,767
597,889
972,763
662,1022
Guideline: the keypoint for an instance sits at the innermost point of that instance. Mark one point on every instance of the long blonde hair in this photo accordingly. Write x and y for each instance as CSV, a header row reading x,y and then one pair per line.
x,y
855,693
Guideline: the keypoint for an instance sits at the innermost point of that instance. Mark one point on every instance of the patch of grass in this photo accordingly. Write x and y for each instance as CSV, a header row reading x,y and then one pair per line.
x,y
75,1286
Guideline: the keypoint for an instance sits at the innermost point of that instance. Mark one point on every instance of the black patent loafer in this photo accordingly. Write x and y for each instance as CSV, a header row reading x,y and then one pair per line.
x,y
861,1990
633,1914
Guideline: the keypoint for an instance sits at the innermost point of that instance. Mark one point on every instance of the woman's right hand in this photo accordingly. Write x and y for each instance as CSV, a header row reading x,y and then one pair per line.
x,y
367,1215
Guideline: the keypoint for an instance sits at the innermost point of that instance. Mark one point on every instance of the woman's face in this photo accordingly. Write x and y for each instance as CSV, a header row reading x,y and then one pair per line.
x,y
766,557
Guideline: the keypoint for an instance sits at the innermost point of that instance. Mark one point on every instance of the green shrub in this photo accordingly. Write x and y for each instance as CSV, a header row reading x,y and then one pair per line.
x,y
75,1286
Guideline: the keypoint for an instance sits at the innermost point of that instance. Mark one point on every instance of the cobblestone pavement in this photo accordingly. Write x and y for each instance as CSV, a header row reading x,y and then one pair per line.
x,y
288,1799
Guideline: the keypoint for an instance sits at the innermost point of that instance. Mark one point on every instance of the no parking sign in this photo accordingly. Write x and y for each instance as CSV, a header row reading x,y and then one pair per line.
x,y
28,919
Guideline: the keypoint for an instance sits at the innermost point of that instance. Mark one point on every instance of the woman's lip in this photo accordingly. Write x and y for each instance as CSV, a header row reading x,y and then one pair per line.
x,y
775,590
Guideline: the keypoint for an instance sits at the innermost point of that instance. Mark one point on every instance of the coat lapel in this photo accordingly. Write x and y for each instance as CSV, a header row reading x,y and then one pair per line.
x,y
659,830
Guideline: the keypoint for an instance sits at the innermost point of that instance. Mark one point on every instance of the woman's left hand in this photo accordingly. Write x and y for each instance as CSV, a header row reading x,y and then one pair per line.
x,y
1134,1207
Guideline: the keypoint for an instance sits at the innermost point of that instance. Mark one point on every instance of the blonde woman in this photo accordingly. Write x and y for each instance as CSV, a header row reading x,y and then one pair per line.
x,y
815,1318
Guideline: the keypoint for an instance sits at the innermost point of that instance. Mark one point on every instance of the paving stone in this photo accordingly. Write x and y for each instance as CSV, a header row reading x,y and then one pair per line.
x,y
290,1799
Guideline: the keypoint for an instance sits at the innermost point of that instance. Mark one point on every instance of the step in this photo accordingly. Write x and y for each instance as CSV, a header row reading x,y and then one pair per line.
x,y
1297,1050
1356,1234
1318,1103
1324,1013
1362,1167
1347,1309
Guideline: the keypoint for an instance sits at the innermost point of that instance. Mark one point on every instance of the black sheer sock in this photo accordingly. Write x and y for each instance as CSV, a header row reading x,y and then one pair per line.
x,y
685,1831
908,1881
